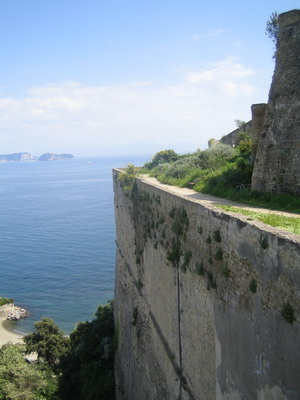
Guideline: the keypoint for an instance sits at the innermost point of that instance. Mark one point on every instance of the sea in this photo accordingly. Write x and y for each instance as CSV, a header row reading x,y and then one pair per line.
x,y
57,237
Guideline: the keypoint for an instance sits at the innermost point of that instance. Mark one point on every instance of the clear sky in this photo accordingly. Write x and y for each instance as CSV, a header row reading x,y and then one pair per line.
x,y
101,77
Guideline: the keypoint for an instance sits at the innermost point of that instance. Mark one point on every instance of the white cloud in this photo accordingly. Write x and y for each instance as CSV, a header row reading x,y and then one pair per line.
x,y
212,33
228,68
70,117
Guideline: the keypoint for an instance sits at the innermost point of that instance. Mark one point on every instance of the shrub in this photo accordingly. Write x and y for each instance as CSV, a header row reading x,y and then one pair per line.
x,y
211,282
253,286
200,268
5,300
263,241
127,177
217,236
174,255
225,271
219,254
162,157
287,313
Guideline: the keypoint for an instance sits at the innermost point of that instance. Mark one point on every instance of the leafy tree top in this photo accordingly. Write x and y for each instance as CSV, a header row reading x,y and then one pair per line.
x,y
272,27
48,342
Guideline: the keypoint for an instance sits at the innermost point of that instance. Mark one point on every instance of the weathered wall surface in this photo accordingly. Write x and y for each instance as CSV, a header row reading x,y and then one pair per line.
x,y
277,164
198,301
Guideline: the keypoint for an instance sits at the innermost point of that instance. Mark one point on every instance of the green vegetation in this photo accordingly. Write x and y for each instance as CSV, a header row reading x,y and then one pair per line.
x,y
186,260
127,178
48,342
217,236
253,285
80,367
164,156
87,369
272,27
20,380
222,171
174,255
291,224
211,282
5,300
287,313
219,255
263,241
225,271
200,268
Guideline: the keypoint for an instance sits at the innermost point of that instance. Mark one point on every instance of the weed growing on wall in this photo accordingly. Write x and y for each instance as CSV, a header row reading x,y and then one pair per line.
x,y
200,268
186,260
263,241
211,282
287,313
175,253
253,285
217,235
219,255
225,271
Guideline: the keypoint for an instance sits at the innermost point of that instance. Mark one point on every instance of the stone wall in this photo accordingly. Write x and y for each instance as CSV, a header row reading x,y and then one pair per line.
x,y
231,139
199,301
277,164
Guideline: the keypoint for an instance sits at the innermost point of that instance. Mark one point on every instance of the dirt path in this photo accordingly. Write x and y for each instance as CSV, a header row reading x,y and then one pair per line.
x,y
208,200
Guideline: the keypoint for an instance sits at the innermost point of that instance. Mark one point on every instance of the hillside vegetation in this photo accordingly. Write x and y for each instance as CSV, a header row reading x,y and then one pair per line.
x,y
220,170
79,367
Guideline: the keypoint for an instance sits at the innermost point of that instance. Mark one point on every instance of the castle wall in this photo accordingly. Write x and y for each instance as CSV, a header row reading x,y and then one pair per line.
x,y
199,298
231,139
277,164
258,112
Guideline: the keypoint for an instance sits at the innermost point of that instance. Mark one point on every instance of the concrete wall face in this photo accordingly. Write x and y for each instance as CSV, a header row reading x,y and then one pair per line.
x,y
277,165
190,327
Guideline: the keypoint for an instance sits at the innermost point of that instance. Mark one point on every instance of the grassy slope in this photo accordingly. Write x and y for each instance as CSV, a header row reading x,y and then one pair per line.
x,y
223,172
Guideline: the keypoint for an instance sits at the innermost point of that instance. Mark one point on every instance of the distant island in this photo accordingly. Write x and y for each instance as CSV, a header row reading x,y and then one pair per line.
x,y
17,157
54,157
27,157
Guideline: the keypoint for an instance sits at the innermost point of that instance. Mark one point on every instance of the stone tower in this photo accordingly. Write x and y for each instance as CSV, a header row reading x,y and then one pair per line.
x,y
277,163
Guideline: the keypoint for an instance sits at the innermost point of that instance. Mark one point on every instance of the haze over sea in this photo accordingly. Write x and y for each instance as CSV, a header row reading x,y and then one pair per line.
x,y
57,237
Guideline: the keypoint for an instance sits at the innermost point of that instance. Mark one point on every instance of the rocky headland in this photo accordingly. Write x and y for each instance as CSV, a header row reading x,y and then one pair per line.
x,y
55,157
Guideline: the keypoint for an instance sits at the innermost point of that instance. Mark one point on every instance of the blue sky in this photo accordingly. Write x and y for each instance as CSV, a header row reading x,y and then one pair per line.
x,y
100,77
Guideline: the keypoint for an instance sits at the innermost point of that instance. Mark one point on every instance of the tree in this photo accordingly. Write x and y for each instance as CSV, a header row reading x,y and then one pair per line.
x,y
22,381
162,157
88,367
239,123
272,27
48,342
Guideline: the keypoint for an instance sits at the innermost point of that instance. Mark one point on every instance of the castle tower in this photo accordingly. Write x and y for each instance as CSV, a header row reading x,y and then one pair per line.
x,y
277,164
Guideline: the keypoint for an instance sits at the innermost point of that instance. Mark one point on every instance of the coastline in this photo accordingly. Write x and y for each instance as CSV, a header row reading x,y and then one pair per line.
x,y
7,335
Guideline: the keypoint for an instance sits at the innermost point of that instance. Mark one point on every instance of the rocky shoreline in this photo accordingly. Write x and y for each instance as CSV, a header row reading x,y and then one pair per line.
x,y
17,313
14,313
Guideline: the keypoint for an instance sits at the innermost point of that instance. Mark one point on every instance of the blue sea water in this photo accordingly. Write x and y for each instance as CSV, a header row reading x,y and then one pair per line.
x,y
57,237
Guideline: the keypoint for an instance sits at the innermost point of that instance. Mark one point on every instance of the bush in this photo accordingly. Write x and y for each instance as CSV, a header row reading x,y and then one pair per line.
x,y
5,300
162,157
88,367
287,313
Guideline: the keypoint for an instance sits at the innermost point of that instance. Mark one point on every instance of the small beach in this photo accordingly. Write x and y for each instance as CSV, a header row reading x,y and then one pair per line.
x,y
7,335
